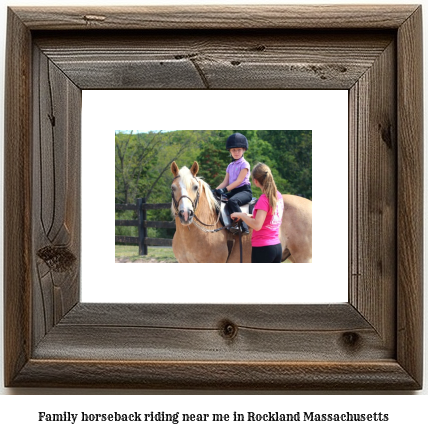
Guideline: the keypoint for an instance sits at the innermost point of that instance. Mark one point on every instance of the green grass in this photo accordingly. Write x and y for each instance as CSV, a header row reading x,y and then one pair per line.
x,y
155,254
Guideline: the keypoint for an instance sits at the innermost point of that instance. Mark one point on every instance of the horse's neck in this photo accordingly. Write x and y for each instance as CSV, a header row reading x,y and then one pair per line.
x,y
204,212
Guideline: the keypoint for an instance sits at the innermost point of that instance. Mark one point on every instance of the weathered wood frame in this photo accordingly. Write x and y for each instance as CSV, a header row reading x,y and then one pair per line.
x,y
372,342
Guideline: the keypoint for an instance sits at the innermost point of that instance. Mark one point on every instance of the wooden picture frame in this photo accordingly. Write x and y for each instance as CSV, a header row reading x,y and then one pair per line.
x,y
372,342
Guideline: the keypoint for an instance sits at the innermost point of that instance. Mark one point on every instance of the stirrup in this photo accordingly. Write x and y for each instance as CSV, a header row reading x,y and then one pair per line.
x,y
235,229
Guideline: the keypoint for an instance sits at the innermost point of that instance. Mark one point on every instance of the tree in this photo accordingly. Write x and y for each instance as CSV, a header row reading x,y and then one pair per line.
x,y
143,159
135,155
292,153
142,169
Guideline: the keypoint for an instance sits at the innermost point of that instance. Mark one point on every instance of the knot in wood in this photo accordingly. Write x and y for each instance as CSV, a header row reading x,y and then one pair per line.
x,y
94,18
59,259
227,329
351,340
186,56
386,134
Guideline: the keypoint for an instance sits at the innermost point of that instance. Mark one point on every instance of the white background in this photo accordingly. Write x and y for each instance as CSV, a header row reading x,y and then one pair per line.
x,y
323,112
20,412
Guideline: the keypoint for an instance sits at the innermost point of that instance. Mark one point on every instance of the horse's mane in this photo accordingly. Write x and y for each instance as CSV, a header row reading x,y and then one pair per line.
x,y
186,178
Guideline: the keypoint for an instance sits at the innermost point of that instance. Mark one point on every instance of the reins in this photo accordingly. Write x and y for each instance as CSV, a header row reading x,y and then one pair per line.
x,y
194,205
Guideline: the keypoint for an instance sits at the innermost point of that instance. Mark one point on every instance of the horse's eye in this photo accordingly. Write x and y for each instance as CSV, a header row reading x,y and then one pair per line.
x,y
195,187
173,187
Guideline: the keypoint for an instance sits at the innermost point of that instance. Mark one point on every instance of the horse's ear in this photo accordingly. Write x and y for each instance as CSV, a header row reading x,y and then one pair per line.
x,y
174,168
194,169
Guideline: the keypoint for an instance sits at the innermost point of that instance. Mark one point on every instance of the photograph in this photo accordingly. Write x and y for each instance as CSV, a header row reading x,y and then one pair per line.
x,y
215,201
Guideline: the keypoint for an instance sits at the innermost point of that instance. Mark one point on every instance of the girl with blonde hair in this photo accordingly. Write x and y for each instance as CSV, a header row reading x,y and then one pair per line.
x,y
266,218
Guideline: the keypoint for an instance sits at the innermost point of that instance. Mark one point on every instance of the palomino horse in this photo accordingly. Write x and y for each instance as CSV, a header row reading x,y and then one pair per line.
x,y
195,238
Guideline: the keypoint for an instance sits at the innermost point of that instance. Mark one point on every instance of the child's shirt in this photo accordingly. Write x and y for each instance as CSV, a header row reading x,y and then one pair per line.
x,y
234,169
268,235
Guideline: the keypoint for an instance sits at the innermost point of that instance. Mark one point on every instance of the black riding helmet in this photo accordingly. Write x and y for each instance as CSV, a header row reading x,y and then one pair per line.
x,y
237,140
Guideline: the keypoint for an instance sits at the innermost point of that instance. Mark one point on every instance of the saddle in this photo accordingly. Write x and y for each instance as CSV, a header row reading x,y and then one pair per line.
x,y
225,218
227,222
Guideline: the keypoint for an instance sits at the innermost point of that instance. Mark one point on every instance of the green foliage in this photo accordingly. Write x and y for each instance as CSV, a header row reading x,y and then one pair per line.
x,y
128,231
292,153
213,158
143,163
287,153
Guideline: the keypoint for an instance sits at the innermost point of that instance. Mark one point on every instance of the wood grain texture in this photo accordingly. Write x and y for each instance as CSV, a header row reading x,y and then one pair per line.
x,y
56,198
373,161
372,342
341,317
216,17
199,332
386,375
410,196
216,59
17,198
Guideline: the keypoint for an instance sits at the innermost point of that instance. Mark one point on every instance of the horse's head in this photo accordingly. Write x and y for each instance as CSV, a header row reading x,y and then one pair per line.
x,y
185,192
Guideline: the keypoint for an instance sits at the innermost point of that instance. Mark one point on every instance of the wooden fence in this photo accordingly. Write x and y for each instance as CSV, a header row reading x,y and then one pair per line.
x,y
142,240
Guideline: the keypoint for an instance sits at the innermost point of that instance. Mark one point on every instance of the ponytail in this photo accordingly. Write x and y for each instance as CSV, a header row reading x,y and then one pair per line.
x,y
264,176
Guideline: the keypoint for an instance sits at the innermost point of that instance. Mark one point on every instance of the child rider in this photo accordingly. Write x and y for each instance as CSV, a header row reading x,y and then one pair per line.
x,y
236,184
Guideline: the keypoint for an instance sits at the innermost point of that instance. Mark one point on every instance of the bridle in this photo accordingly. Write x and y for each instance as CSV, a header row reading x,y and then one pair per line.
x,y
177,202
194,205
